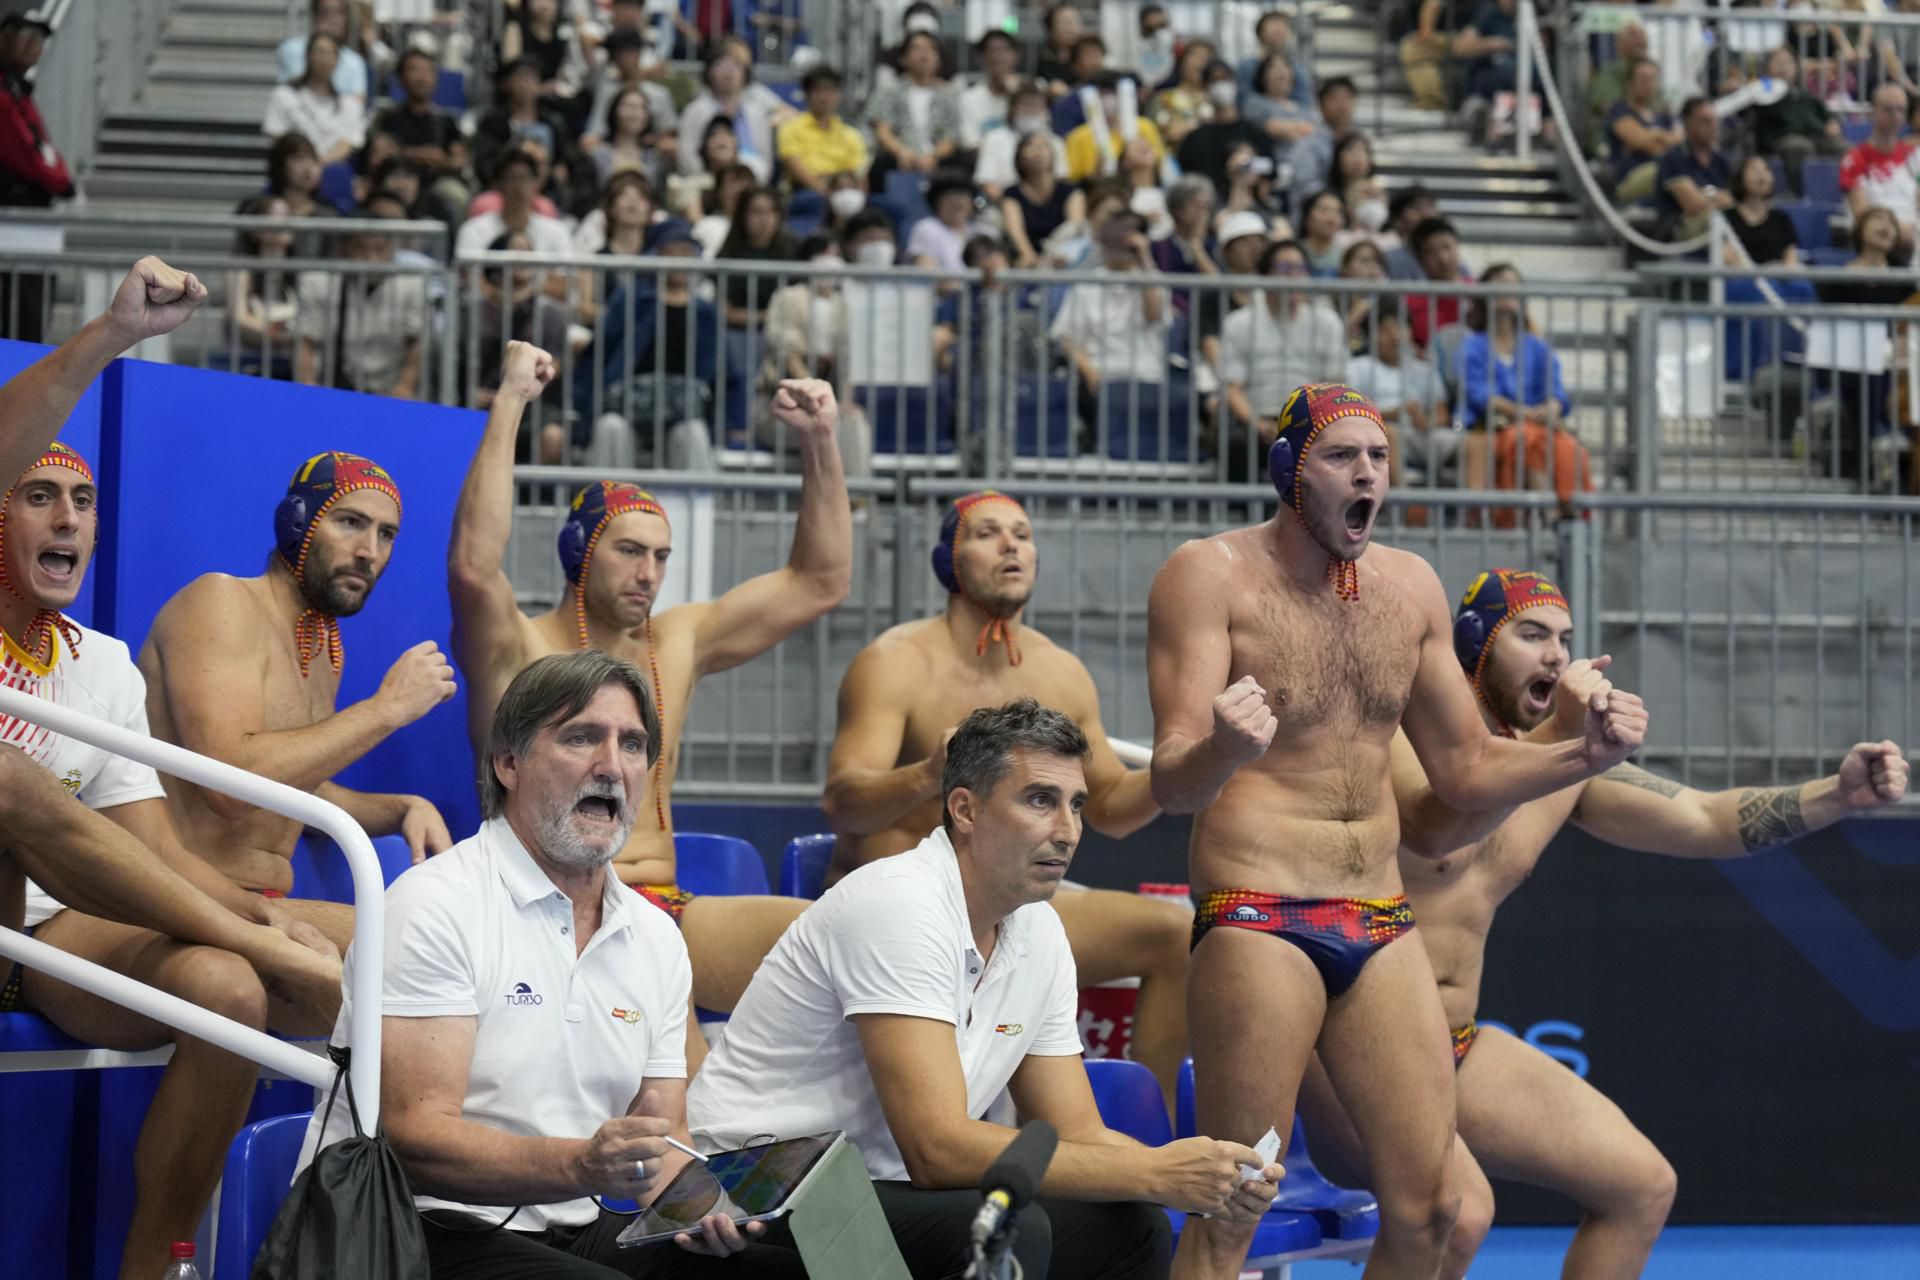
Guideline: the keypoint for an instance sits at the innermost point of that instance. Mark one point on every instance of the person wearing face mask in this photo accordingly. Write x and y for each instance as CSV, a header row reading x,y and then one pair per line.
x,y
1039,204
807,337
1153,55
846,196
1206,150
1084,156
1365,199
995,168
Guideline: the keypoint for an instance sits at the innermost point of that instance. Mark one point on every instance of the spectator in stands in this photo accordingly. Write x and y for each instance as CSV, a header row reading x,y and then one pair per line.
x,y
293,175
658,411
1039,204
33,174
1140,171
1487,45
1765,233
1209,149
1077,246
939,239
1312,156
1899,51
1089,70
986,103
1363,260
1639,131
1426,48
1273,108
1274,31
1114,332
1832,65
916,121
539,35
817,143
522,121
1608,83
716,218
326,18
362,332
1153,52
1184,105
1884,171
995,168
514,308
1359,186
1510,385
1084,158
627,68
808,336
1693,177
1797,125
261,300
626,218
1054,70
1243,239
1437,247
1280,340
479,1107
690,194
517,179
1322,226
334,122
864,1010
428,135
846,196
1408,391
1407,208
755,110
1188,250
1862,406
757,234
628,146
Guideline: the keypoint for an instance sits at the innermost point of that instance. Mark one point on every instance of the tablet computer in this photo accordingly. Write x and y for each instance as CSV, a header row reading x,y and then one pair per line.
x,y
753,1184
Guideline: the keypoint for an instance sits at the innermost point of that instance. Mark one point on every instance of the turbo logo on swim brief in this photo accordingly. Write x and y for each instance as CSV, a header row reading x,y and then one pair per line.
x,y
1246,914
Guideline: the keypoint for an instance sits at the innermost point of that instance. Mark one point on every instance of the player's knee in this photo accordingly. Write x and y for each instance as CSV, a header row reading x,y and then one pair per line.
x,y
223,983
1425,1215
1647,1188
1471,1225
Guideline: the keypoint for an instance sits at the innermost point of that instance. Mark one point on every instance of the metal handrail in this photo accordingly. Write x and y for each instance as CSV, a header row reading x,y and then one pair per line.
x,y
90,216
369,893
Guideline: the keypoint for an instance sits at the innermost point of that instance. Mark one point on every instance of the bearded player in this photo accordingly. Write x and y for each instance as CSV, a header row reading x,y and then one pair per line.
x,y
247,670
1281,660
1522,1115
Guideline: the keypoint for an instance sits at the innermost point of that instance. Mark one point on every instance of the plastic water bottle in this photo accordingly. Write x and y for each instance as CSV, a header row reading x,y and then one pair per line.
x,y
182,1267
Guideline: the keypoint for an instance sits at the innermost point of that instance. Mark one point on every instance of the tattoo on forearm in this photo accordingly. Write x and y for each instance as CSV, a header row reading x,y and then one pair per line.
x,y
1770,816
1634,776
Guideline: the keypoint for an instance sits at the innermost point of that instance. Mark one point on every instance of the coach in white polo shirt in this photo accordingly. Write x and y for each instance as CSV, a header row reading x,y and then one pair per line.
x,y
901,1004
533,1027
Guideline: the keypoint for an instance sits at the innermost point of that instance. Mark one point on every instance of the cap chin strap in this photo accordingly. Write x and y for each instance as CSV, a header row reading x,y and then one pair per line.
x,y
315,630
1342,575
996,629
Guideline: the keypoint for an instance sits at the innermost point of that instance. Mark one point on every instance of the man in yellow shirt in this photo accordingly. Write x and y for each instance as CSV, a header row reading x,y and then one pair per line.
x,y
818,144
1083,144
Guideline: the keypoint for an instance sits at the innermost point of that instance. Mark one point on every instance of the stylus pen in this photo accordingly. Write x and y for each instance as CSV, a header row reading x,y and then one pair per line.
x,y
677,1145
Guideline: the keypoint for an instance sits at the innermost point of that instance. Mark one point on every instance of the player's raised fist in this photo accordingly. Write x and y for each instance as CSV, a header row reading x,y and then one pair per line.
x,y
1243,724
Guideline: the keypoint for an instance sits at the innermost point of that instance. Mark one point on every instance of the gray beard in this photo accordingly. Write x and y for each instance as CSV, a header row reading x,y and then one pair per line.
x,y
563,845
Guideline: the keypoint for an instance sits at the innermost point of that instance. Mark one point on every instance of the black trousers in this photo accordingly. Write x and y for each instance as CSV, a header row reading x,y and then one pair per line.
x,y
460,1248
1057,1239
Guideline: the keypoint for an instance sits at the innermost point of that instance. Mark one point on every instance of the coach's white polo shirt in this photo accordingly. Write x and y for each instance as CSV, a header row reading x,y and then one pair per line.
x,y
892,937
561,1044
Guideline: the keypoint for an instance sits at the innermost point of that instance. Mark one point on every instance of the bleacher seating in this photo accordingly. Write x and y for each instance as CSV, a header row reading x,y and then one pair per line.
x,y
320,870
713,864
253,1185
803,867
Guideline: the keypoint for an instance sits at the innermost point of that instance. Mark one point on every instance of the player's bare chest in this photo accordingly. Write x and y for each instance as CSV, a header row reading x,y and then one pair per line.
x,y
950,692
1485,873
1324,661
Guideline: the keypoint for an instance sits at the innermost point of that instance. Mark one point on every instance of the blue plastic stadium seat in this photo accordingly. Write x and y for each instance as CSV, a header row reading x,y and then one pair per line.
x,y
450,92
1130,1100
711,864
1820,180
1043,418
907,193
321,874
336,186
1133,421
258,1172
803,867
1856,129
1812,220
901,418
31,1033
1824,255
1340,1214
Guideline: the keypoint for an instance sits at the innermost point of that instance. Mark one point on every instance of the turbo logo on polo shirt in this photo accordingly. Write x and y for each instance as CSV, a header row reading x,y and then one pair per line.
x,y
522,994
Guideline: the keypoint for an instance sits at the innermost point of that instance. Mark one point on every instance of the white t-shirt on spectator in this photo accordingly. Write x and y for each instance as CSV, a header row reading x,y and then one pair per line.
x,y
546,235
981,111
561,1043
934,239
891,938
1412,381
993,166
1108,323
1269,355
349,73
379,326
99,681
323,121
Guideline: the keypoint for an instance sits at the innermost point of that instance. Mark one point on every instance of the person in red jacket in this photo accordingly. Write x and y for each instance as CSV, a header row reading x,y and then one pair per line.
x,y
32,173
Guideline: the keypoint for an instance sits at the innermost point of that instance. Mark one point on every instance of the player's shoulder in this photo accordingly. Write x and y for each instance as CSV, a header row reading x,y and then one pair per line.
x,y
1408,567
211,597
903,651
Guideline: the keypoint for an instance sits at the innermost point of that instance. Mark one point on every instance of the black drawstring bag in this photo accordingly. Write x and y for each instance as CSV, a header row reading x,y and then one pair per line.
x,y
349,1213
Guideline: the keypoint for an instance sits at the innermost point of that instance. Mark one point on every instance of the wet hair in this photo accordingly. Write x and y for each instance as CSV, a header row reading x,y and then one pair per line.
x,y
981,752
552,691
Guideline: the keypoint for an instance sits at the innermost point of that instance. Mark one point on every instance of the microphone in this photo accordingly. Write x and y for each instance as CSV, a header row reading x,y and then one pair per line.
x,y
1014,1178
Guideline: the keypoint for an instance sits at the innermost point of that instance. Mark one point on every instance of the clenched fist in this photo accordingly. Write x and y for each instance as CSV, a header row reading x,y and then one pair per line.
x,y
1243,723
806,406
1574,692
1616,726
421,680
526,371
153,299
1873,774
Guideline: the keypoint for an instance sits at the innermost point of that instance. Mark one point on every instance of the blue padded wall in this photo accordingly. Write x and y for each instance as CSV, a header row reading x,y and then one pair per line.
x,y
82,433
217,450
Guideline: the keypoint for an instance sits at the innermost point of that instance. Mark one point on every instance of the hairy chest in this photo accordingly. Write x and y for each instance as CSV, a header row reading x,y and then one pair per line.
x,y
1327,662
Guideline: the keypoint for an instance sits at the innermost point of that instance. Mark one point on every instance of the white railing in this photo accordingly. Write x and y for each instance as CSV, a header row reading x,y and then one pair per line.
x,y
1131,754
369,892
